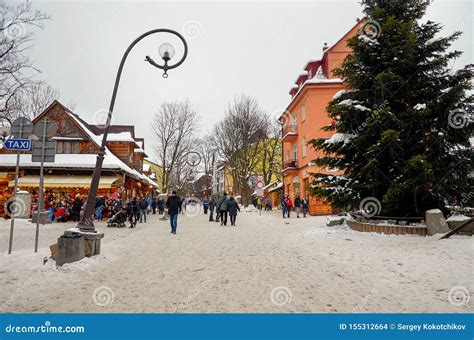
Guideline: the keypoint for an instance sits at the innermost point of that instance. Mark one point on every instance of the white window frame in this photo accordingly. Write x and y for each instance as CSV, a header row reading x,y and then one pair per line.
x,y
294,120
303,153
295,152
303,112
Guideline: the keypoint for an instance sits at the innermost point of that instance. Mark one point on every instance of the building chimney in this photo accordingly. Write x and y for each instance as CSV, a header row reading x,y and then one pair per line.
x,y
325,47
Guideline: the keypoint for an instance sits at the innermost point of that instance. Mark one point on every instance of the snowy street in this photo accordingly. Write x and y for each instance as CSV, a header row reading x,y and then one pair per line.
x,y
264,264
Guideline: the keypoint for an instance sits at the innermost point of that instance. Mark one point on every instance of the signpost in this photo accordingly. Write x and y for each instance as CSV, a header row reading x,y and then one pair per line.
x,y
259,189
43,151
17,144
21,128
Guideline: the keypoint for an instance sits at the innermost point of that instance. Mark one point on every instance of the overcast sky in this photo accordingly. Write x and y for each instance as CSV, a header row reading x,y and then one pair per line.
x,y
256,48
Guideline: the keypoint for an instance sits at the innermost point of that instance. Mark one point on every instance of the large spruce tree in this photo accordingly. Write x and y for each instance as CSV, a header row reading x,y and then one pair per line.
x,y
402,128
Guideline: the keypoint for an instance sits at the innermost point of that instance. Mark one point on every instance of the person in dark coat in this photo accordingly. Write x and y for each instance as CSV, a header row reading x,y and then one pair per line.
x,y
153,205
305,205
212,205
173,205
136,210
161,206
297,206
223,208
130,214
76,209
99,208
232,207
143,205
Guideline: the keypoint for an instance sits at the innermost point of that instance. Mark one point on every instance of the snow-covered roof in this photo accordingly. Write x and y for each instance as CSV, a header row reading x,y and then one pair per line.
x,y
304,74
269,185
119,137
278,187
67,138
146,167
86,160
313,60
76,161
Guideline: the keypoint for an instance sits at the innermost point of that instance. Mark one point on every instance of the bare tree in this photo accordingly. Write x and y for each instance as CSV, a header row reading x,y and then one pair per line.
x,y
237,139
33,100
16,70
270,152
206,149
174,125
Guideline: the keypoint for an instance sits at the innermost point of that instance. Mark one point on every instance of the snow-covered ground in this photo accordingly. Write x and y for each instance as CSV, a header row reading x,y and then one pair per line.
x,y
264,264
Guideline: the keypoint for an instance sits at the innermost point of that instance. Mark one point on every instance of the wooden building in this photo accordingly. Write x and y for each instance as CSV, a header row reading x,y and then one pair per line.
x,y
77,146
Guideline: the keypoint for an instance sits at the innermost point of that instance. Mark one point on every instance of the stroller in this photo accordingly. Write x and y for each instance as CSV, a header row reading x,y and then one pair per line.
x,y
118,220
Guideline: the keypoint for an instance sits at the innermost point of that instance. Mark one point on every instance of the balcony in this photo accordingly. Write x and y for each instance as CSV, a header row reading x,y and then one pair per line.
x,y
290,165
290,132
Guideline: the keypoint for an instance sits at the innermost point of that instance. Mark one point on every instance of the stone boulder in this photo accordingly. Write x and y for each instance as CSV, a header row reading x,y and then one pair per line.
x,y
435,222
335,220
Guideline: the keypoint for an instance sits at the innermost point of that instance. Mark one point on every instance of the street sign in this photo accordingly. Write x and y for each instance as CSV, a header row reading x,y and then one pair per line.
x,y
259,192
17,144
260,185
51,129
49,151
259,178
252,182
21,128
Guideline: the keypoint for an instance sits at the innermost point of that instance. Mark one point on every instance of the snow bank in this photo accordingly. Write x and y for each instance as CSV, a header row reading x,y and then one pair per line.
x,y
458,218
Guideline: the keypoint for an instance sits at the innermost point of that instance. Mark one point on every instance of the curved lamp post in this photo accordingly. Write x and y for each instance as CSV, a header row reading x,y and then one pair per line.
x,y
166,52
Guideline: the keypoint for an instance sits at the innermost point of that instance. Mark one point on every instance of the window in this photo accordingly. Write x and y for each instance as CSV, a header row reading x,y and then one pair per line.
x,y
309,74
295,152
304,147
59,147
293,120
75,148
67,147
303,113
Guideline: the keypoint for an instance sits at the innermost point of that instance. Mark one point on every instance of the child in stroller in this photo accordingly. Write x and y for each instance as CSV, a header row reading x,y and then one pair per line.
x,y
118,220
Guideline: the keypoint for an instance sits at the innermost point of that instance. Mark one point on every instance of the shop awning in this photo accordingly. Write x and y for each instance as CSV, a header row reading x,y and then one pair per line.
x,y
106,182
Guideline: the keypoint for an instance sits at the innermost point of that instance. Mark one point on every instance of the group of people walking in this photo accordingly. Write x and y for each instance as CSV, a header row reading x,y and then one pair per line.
x,y
300,205
220,209
224,206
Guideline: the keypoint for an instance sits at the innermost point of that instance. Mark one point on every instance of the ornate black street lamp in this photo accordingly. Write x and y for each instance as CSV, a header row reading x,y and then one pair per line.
x,y
166,52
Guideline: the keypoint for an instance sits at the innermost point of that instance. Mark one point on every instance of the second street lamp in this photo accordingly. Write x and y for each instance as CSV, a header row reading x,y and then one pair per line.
x,y
166,51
